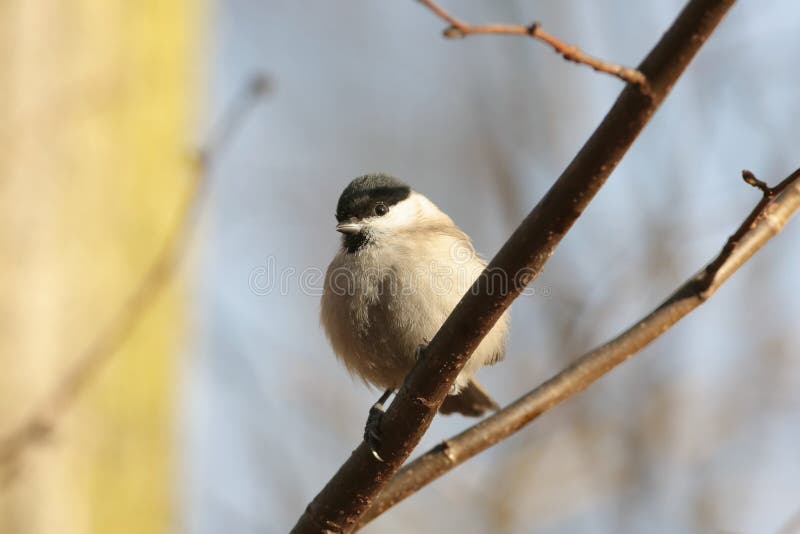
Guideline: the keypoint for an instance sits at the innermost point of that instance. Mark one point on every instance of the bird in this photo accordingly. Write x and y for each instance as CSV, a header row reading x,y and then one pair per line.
x,y
401,268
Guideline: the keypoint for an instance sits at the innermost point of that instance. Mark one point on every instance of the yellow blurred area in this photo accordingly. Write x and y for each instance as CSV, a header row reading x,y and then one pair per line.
x,y
96,97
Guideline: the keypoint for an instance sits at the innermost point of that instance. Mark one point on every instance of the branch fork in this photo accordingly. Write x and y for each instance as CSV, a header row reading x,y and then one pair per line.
x,y
759,212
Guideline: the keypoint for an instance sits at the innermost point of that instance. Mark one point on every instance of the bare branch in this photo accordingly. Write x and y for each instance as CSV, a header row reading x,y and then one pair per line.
x,y
748,238
755,215
459,28
44,418
340,504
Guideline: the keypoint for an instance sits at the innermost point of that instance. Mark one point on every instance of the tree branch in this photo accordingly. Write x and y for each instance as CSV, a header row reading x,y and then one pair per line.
x,y
340,504
46,416
769,193
459,28
764,222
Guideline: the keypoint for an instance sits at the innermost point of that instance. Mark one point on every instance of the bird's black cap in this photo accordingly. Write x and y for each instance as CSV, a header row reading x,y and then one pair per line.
x,y
359,199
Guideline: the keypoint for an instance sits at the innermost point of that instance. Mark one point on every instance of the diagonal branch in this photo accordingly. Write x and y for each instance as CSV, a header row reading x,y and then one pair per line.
x,y
459,28
340,504
46,416
764,222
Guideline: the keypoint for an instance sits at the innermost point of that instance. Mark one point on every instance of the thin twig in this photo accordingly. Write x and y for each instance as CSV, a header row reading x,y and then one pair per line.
x,y
459,28
44,418
770,218
351,491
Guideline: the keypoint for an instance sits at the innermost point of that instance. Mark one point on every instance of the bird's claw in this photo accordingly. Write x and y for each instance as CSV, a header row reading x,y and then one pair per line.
x,y
372,430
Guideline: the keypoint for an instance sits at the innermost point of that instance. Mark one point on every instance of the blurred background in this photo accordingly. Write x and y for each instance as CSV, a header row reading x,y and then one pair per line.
x,y
223,408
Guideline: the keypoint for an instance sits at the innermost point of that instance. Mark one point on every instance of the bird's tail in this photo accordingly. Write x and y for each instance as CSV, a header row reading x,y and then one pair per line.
x,y
472,401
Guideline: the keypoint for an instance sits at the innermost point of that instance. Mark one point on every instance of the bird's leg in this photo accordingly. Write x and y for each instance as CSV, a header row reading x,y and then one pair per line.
x,y
372,430
420,352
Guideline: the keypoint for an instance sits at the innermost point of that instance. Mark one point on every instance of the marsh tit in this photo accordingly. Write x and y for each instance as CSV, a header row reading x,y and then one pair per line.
x,y
402,267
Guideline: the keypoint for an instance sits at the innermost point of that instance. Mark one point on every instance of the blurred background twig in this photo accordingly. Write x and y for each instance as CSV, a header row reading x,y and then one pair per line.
x,y
37,426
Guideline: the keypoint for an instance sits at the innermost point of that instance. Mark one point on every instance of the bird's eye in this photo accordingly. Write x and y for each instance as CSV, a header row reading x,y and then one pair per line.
x,y
381,209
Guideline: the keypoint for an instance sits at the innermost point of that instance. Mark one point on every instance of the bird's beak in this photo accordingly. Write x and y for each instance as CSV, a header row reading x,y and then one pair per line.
x,y
349,227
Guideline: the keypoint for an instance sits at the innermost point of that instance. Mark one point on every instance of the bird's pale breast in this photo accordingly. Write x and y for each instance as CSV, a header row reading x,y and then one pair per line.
x,y
381,302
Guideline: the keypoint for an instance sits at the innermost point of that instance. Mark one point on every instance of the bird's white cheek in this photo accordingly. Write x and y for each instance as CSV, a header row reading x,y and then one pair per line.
x,y
401,216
